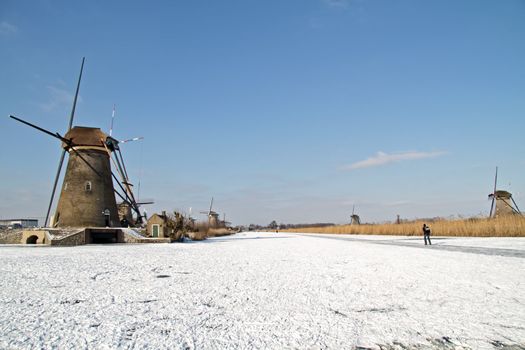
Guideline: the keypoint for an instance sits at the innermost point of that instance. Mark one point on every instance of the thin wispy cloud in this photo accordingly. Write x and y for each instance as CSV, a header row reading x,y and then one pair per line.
x,y
382,158
337,3
59,98
7,28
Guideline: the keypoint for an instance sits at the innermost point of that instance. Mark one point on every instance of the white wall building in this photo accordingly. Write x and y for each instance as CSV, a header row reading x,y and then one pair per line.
x,y
21,222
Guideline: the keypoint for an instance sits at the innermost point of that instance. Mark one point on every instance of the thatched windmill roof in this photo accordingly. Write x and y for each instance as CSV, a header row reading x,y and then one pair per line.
x,y
85,136
502,194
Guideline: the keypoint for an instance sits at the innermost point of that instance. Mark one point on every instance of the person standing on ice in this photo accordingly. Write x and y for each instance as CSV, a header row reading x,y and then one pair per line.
x,y
426,234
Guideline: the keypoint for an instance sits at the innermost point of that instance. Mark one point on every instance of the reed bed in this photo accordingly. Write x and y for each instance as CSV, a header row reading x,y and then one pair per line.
x,y
510,226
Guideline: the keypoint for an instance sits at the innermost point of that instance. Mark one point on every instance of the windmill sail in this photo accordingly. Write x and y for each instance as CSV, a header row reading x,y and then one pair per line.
x,y
493,194
61,161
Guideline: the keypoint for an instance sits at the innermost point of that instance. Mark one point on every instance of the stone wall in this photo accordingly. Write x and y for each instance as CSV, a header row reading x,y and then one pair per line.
x,y
78,238
10,236
68,238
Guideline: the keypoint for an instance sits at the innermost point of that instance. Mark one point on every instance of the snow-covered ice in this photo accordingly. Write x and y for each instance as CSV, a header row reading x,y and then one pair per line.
x,y
266,291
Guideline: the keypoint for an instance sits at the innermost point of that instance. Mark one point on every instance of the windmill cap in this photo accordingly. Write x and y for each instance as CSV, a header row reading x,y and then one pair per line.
x,y
502,194
85,136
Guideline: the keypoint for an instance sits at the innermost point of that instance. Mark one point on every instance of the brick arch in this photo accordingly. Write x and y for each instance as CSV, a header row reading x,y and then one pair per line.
x,y
32,239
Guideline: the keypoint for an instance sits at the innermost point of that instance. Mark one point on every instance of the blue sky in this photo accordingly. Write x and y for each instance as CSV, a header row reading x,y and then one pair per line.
x,y
281,110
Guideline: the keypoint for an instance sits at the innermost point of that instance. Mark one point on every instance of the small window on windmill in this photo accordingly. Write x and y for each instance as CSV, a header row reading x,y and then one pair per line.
x,y
87,186
65,186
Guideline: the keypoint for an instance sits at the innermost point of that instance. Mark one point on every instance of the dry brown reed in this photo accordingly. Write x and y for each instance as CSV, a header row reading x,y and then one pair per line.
x,y
509,226
196,235
219,232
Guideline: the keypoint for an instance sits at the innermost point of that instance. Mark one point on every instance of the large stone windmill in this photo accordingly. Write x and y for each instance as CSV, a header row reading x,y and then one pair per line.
x,y
502,202
87,198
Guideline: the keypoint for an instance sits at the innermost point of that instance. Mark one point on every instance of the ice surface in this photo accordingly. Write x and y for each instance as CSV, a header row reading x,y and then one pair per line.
x,y
266,291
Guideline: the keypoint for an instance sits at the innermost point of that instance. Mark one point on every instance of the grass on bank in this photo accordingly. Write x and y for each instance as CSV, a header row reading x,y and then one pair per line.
x,y
510,226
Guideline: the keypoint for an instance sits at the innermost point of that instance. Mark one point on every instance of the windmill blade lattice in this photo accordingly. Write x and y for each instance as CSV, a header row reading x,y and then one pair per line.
x,y
63,154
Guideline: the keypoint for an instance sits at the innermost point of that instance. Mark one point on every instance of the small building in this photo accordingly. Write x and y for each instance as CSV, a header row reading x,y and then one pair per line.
x,y
21,223
158,226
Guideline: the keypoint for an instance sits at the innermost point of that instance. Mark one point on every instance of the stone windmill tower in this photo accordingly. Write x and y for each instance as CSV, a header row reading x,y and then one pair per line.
x,y
502,202
354,218
213,217
87,198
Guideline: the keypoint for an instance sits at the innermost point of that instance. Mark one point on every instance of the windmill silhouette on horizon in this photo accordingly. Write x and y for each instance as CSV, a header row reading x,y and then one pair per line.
x,y
213,217
502,202
354,218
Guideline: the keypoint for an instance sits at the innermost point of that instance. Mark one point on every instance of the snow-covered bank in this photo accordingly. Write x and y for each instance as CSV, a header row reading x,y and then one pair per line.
x,y
262,290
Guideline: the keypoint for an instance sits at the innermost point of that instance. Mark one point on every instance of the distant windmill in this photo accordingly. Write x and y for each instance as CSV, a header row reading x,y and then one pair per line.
x,y
213,217
225,223
190,218
111,130
113,145
502,201
355,220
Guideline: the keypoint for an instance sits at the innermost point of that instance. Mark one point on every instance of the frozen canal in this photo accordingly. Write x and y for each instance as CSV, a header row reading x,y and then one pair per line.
x,y
266,291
